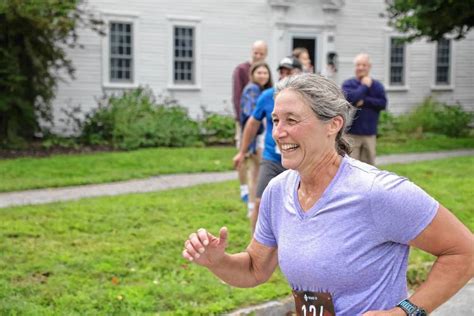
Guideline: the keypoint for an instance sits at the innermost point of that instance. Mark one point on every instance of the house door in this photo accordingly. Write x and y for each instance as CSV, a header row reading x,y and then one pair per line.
x,y
310,44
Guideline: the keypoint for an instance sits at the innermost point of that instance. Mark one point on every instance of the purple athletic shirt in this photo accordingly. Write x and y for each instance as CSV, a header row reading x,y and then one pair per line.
x,y
353,242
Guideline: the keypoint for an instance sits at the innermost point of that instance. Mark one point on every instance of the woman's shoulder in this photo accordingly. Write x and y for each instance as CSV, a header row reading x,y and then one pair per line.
x,y
360,168
376,180
362,176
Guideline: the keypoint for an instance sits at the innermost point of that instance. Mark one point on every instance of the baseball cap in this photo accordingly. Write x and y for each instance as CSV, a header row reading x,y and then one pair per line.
x,y
290,62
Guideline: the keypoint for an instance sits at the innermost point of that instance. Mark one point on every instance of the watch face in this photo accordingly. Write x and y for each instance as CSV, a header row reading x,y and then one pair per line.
x,y
420,312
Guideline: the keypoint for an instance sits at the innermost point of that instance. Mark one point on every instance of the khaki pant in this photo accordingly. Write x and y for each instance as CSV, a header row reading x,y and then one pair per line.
x,y
248,172
363,147
238,134
252,164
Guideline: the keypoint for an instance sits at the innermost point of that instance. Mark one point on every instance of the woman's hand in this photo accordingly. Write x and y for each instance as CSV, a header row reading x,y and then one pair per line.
x,y
205,249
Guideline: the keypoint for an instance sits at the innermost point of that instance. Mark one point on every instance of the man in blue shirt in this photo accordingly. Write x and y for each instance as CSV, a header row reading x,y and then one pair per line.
x,y
270,166
368,95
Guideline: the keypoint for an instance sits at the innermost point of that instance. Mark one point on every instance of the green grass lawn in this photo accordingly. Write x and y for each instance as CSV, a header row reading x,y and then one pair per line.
x,y
67,170
122,255
431,142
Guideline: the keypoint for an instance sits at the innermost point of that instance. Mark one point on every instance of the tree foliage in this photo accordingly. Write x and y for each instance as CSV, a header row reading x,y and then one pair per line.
x,y
34,35
431,18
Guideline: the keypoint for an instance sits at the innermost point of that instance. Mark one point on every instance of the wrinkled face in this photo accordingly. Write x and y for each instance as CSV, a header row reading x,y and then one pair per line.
x,y
260,76
259,53
362,67
301,137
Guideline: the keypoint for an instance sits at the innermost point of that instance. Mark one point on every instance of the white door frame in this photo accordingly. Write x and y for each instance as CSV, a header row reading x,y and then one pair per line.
x,y
318,47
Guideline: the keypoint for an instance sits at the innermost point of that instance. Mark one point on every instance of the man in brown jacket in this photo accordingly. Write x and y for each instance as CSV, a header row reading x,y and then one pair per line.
x,y
240,78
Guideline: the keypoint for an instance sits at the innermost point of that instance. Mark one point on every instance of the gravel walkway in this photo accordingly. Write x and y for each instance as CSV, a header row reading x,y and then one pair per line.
x,y
171,182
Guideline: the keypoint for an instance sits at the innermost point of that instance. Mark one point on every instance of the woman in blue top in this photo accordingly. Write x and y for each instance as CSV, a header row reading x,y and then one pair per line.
x,y
339,229
260,79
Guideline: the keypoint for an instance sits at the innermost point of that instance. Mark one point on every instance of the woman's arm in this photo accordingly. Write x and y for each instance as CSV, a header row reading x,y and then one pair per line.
x,y
452,242
246,269
448,239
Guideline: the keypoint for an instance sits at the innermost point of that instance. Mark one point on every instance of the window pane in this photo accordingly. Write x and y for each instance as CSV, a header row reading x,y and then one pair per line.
x,y
121,52
183,54
397,62
443,55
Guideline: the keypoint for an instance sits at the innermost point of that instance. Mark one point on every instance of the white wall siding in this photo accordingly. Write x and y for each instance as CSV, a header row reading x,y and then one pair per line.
x,y
228,28
361,29
464,72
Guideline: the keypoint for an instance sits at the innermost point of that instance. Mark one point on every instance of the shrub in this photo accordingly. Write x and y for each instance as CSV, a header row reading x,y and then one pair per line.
x,y
134,120
97,127
175,124
388,124
430,116
454,121
217,128
435,117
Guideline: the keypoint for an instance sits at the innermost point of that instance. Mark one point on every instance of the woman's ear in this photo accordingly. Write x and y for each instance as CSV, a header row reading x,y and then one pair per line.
x,y
335,125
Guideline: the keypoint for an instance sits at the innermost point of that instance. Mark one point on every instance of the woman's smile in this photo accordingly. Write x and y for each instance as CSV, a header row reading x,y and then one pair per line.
x,y
287,147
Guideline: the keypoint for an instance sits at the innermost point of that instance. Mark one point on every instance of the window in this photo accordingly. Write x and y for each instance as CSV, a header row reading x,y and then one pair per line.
x,y
184,55
397,62
121,52
443,54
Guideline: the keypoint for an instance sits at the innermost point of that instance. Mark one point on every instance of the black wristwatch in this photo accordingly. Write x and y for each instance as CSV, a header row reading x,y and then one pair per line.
x,y
411,309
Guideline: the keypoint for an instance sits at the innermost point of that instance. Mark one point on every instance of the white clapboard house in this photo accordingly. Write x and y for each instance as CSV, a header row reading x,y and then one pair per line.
x,y
187,50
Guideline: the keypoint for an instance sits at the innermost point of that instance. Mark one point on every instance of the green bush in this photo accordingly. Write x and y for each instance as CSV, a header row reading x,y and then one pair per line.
x,y
217,128
134,120
435,117
388,124
97,127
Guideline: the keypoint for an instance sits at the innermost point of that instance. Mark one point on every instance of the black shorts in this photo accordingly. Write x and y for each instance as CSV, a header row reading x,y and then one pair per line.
x,y
268,170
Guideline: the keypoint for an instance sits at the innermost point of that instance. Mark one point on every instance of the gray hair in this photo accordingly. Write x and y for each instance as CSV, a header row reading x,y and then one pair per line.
x,y
326,100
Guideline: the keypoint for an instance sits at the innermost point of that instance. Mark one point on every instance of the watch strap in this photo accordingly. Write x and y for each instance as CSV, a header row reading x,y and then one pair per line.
x,y
411,309
408,307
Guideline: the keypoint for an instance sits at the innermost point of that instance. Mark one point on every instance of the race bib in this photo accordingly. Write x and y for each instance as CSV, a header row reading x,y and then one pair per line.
x,y
313,303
